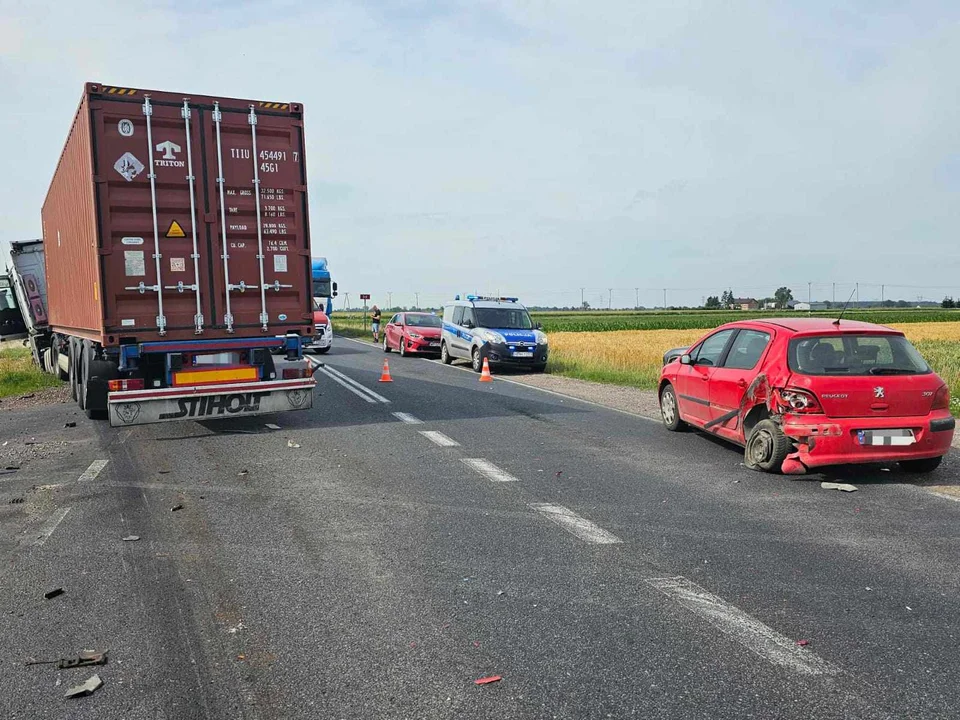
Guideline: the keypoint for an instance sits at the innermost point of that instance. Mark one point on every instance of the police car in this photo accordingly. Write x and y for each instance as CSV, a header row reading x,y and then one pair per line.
x,y
498,329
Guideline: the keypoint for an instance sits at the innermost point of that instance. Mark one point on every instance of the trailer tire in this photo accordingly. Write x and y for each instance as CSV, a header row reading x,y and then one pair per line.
x,y
95,374
72,372
55,359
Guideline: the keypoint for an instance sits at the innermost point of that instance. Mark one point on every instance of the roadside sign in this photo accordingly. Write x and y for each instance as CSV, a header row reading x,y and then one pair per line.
x,y
364,296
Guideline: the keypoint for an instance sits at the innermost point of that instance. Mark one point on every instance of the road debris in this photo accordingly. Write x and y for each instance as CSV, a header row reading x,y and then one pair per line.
x,y
131,538
488,680
27,396
15,501
163,472
271,426
87,688
176,507
70,424
803,643
50,594
243,473
292,444
86,658
845,487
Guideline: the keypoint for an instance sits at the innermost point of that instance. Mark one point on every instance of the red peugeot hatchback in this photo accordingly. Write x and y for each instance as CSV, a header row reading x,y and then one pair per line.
x,y
800,393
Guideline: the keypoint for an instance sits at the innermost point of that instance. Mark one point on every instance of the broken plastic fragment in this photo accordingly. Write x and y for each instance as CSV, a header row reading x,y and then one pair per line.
x,y
845,487
50,594
292,444
131,538
488,680
803,643
242,473
85,659
70,424
271,426
86,688
176,507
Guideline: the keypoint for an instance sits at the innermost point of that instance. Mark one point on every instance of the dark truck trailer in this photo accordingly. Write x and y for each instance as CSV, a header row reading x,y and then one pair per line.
x,y
178,256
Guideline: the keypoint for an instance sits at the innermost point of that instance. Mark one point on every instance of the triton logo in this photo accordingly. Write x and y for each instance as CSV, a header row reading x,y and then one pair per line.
x,y
216,405
169,157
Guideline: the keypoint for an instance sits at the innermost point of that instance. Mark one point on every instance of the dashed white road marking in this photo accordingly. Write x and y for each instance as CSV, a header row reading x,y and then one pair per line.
x,y
576,525
328,370
749,632
489,470
438,438
407,418
91,472
46,530
352,389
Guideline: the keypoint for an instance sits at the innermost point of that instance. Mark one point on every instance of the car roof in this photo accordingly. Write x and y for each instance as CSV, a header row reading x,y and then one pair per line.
x,y
810,325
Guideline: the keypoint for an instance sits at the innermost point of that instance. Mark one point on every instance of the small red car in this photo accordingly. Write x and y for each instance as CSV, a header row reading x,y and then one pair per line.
x,y
413,332
801,393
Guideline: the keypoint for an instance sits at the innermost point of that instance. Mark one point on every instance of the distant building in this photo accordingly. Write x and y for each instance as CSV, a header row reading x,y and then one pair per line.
x,y
807,306
745,304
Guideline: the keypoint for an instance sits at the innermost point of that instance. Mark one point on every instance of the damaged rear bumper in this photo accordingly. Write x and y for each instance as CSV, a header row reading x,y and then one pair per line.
x,y
822,441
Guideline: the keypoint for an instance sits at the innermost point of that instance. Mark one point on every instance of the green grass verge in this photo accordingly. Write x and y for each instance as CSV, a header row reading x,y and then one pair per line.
x,y
18,374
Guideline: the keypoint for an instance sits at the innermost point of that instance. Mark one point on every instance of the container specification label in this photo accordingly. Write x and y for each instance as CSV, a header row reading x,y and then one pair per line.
x,y
133,263
280,263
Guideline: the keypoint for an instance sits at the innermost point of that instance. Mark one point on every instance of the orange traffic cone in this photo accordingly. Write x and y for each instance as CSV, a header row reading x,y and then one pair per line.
x,y
385,375
485,376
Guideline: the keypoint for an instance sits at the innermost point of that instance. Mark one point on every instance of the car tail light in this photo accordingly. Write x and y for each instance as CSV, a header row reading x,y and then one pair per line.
x,y
941,401
798,401
296,373
127,384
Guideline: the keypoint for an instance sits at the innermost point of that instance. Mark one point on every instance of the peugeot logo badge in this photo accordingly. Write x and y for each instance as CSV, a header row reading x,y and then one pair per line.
x,y
878,392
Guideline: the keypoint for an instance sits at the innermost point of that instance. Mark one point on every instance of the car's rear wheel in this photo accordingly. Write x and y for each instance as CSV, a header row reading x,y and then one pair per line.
x,y
445,354
767,447
920,466
669,410
386,348
476,360
403,347
322,351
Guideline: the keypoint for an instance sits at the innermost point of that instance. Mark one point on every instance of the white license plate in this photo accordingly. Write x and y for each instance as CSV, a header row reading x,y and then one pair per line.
x,y
523,354
433,344
886,437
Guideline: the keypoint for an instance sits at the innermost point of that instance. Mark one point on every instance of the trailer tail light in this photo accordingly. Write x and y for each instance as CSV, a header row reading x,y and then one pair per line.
x,y
296,373
127,384
798,401
941,401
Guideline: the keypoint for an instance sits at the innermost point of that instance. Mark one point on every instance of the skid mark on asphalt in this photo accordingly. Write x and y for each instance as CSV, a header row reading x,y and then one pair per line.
x,y
407,418
336,374
46,530
96,467
489,470
749,632
438,438
576,525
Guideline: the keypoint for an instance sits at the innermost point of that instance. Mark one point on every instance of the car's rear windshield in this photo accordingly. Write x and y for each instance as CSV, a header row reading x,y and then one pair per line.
x,y
423,321
504,318
855,355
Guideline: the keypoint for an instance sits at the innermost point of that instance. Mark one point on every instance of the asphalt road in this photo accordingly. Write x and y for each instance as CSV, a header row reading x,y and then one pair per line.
x,y
600,565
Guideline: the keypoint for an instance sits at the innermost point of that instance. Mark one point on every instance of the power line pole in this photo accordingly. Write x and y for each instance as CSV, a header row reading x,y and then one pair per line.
x,y
834,293
581,297
390,298
882,289
809,298
417,295
858,296
610,300
664,298
637,305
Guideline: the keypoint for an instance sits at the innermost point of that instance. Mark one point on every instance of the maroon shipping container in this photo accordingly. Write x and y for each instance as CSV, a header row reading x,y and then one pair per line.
x,y
145,242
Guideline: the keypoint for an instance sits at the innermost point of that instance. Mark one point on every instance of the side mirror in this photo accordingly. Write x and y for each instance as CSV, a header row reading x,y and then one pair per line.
x,y
469,325
538,326
686,360
334,287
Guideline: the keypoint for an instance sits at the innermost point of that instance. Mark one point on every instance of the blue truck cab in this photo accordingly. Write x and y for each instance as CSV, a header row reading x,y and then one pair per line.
x,y
498,329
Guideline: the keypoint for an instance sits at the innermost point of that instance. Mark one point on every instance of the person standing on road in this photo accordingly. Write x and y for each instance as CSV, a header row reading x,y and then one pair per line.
x,y
375,323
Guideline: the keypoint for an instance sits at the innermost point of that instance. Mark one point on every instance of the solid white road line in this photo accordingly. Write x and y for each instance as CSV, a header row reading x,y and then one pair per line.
x,y
489,470
91,472
348,386
46,530
407,418
357,385
752,634
576,525
438,438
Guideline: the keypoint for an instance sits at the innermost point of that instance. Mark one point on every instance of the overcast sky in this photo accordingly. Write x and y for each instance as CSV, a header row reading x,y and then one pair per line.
x,y
535,147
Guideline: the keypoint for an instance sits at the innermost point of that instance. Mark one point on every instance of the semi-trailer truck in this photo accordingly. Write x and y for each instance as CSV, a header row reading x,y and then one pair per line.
x,y
177,243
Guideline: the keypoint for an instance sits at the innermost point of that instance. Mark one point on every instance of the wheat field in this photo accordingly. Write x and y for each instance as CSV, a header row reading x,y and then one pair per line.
x,y
634,357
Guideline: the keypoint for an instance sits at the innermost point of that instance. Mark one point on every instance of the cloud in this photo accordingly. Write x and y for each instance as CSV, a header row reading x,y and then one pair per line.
x,y
545,146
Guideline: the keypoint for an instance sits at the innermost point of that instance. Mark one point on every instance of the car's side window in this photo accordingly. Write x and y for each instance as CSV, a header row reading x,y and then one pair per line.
x,y
746,349
395,320
711,349
468,317
458,315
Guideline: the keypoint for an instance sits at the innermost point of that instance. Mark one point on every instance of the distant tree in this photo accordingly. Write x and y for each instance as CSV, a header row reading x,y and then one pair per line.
x,y
584,305
948,303
726,298
783,296
902,304
889,303
713,303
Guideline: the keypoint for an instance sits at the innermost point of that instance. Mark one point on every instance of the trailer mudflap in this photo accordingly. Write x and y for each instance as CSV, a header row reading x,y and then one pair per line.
x,y
144,407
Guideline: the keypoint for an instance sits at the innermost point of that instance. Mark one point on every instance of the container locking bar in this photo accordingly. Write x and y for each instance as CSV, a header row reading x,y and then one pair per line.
x,y
264,317
228,317
161,319
198,318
